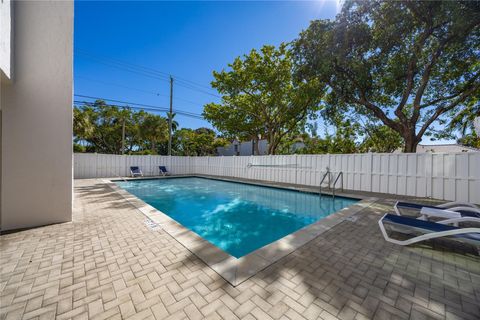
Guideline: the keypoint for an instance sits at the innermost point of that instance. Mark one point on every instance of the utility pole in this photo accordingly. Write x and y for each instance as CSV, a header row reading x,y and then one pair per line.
x,y
170,114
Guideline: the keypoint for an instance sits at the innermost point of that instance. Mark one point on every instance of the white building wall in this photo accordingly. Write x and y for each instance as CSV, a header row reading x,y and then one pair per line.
x,y
36,126
6,39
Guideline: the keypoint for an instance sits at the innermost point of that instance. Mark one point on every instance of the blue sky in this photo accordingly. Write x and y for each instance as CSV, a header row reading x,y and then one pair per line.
x,y
185,39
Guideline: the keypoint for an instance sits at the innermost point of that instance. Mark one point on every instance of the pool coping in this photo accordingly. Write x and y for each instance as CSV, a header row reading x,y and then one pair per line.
x,y
237,270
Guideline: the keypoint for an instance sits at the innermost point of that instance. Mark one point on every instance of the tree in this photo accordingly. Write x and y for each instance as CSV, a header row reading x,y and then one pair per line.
x,y
341,141
380,138
98,127
199,142
82,123
154,131
261,98
461,126
101,128
405,63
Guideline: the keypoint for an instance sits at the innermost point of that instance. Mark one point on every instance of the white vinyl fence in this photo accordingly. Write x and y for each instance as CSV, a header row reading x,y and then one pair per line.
x,y
448,176
96,165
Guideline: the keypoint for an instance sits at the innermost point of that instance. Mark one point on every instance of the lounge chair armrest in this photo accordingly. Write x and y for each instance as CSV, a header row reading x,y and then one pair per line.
x,y
468,209
452,204
439,213
455,221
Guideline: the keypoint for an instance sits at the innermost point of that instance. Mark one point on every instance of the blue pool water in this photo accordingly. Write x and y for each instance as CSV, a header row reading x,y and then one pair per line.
x,y
238,218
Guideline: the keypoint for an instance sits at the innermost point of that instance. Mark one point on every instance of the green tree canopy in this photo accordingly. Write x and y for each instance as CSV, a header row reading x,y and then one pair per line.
x,y
100,128
405,63
198,142
342,140
461,125
153,131
380,138
261,98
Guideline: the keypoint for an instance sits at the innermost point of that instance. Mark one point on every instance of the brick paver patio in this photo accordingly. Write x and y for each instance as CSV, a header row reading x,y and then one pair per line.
x,y
108,263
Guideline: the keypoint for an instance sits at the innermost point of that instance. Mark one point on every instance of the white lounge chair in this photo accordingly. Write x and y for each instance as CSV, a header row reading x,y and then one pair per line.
x,y
428,229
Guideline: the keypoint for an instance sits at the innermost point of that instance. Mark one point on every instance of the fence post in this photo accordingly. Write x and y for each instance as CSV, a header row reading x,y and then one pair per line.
x,y
96,165
125,170
296,169
429,174
371,172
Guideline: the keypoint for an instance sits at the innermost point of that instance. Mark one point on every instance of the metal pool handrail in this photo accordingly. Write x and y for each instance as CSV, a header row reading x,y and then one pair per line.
x,y
340,174
323,179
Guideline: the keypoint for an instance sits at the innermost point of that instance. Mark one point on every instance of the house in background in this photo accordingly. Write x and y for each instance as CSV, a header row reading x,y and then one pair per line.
x,y
237,148
36,69
444,148
247,148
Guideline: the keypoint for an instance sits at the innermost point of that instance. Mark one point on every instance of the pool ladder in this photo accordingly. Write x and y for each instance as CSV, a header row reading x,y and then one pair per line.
x,y
329,175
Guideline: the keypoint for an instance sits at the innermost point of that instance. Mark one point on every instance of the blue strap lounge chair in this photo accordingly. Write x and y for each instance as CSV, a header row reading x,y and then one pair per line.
x,y
163,171
462,208
428,229
136,172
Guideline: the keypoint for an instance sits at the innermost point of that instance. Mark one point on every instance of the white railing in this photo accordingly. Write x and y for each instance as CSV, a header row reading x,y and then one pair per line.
x,y
448,176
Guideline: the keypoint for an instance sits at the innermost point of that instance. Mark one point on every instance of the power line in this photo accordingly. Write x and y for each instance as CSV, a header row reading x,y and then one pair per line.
x,y
124,65
89,103
149,69
123,86
188,86
144,106
140,90
145,71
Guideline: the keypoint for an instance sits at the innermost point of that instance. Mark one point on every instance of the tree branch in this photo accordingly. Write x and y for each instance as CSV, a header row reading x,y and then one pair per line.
x,y
442,110
428,70
456,94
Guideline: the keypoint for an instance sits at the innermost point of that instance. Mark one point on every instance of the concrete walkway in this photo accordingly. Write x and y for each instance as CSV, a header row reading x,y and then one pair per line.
x,y
108,263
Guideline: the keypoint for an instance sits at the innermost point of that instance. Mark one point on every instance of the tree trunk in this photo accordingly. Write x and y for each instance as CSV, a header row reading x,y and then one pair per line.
x,y
272,147
271,143
257,147
154,147
411,142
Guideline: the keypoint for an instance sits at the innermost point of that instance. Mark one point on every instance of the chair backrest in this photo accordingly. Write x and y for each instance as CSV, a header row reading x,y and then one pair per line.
x,y
162,168
135,169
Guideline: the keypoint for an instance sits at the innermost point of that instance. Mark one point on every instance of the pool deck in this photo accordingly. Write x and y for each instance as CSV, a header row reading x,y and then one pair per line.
x,y
110,263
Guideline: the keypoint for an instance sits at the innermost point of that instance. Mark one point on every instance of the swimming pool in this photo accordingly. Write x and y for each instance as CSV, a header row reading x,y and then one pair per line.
x,y
239,218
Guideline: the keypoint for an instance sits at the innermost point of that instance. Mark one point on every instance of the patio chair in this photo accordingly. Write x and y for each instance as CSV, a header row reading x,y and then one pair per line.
x,y
136,172
163,171
428,229
453,208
